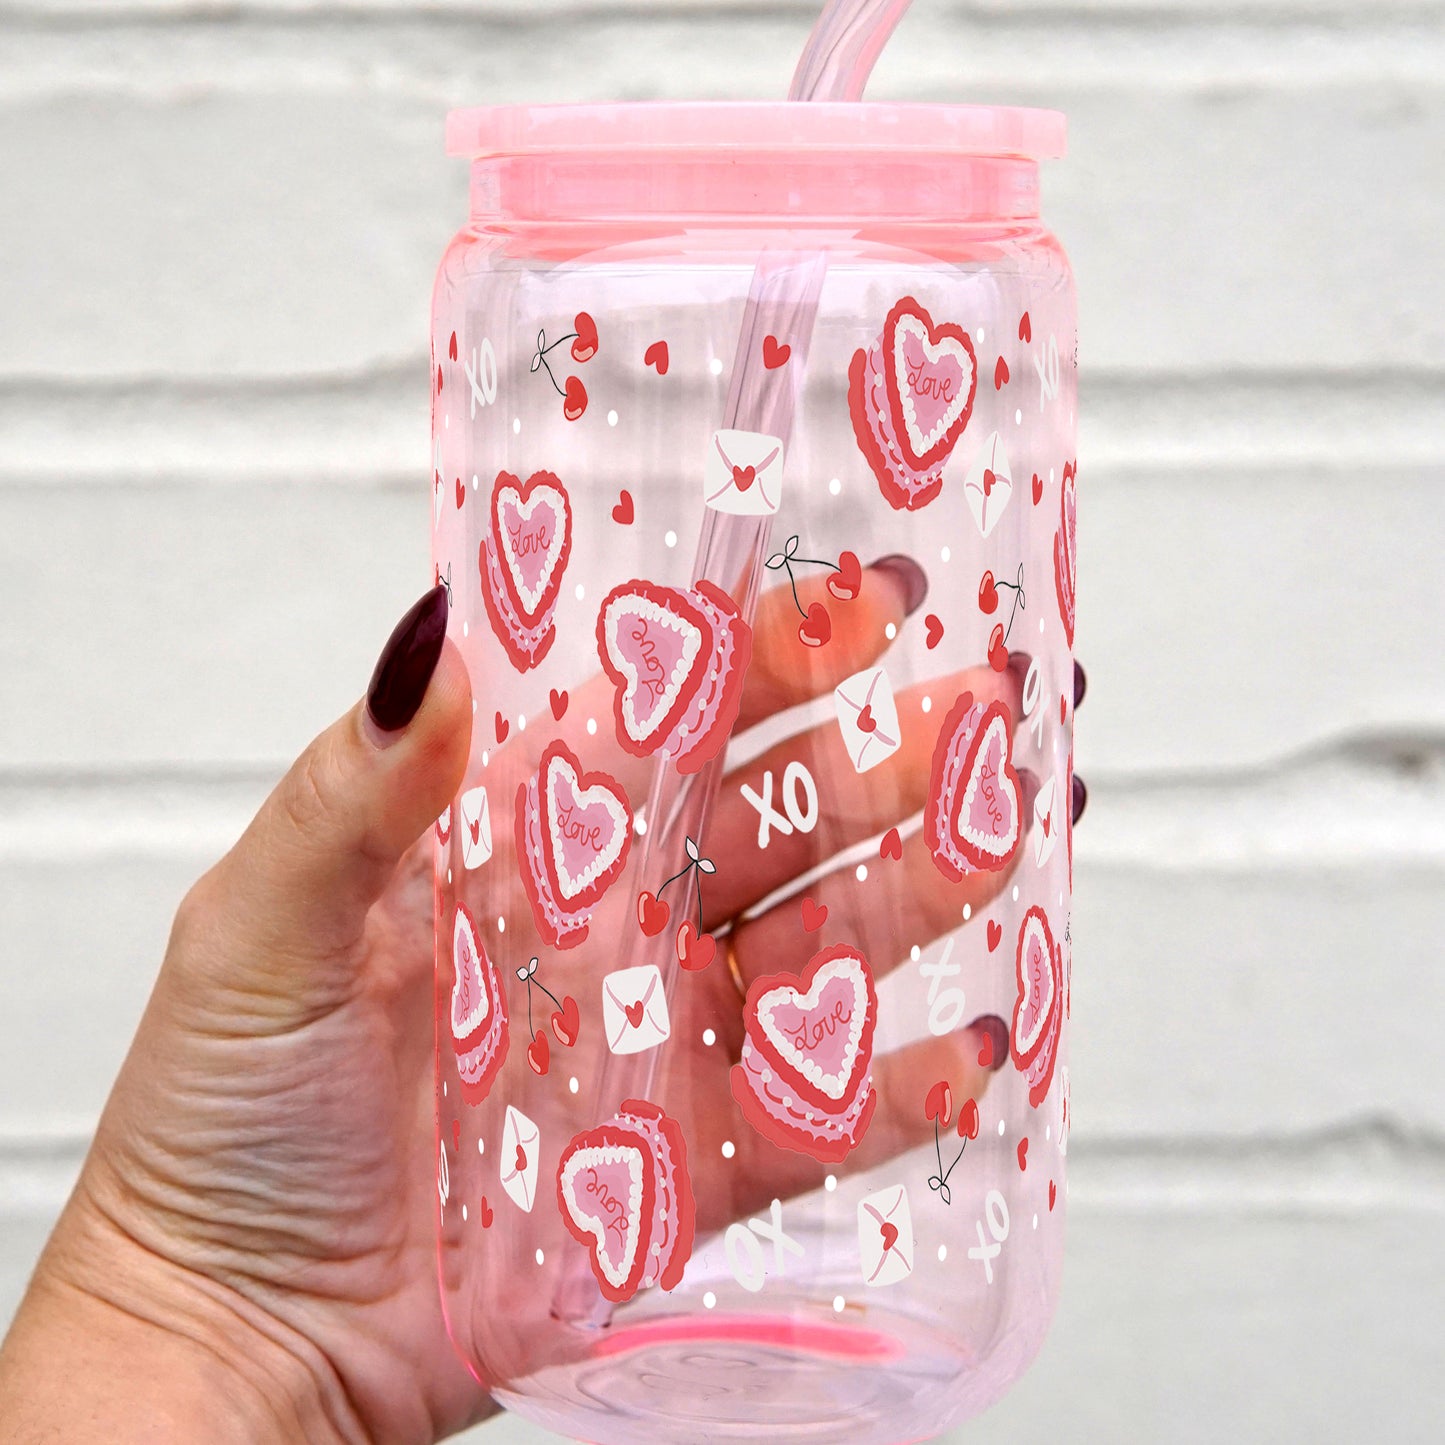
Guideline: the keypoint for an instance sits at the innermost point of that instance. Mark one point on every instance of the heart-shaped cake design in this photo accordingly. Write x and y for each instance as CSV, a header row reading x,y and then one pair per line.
x,y
532,531
606,1189
932,376
972,817
1065,569
656,645
586,827
478,1010
805,1077
1038,1008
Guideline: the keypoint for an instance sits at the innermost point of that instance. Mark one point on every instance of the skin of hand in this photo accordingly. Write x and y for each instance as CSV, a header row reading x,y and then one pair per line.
x,y
250,1250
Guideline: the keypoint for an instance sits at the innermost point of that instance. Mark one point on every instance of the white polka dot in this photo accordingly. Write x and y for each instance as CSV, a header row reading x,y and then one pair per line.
x,y
1000,1126
978,335
1041,624
449,875
541,1258
573,1085
1016,893
728,1149
521,722
967,911
945,554
709,1037
501,924
516,426
447,421
481,1146
611,418
474,481
464,1214
444,1089
671,538
1018,418
715,366
915,953
830,1183
1051,474
1048,1131
486,756
581,591
1036,1221
466,629
835,486
591,727
890,632
927,703
942,1253
861,873
838,1303
709,1300
639,826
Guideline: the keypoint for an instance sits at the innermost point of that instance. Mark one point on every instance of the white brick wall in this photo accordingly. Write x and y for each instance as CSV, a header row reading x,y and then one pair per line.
x,y
196,191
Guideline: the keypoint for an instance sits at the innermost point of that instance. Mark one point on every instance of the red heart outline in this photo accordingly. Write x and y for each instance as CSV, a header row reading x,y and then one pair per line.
x,y
558,752
945,330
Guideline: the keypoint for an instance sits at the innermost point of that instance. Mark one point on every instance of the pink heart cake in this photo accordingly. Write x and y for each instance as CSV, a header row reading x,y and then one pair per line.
x,y
910,396
1038,1010
624,1192
972,818
678,660
1065,572
523,557
573,832
479,1011
805,1080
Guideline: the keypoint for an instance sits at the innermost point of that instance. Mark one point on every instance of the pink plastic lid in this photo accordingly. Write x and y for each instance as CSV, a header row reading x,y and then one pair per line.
x,y
756,126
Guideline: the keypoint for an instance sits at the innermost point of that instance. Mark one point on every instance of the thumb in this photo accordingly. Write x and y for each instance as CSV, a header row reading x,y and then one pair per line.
x,y
327,841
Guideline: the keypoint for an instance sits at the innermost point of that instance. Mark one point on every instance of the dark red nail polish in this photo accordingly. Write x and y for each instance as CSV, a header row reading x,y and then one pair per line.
x,y
1019,664
911,579
407,662
1078,798
1081,686
997,1030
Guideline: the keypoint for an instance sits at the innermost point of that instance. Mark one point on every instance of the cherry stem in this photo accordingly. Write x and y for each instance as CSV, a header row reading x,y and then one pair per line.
x,y
547,367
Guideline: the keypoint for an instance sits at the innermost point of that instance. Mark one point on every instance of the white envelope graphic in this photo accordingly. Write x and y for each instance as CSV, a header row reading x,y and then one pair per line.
x,y
743,473
476,829
1046,822
634,1009
885,1236
989,485
867,717
518,1162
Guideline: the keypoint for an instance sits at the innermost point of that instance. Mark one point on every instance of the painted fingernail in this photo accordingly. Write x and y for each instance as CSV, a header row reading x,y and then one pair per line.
x,y
997,1031
1029,787
1081,686
1078,798
407,662
1019,664
910,578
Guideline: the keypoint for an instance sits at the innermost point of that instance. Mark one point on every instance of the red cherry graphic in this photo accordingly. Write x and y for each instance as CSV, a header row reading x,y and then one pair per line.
x,y
1023,1153
845,583
891,846
997,652
932,630
744,477
566,1021
503,727
484,1213
817,627
968,1120
461,492
867,723
574,402
452,347
1026,328
694,950
995,934
652,913
987,593
775,352
815,915
985,1053
1000,374
456,1133
622,512
559,702
539,1055
939,1104
1053,1194
656,356
1038,485
584,344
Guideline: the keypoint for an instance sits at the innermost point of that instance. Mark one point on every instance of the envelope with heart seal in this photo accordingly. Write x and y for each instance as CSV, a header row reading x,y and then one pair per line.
x,y
867,717
634,1009
989,485
743,473
1046,822
476,828
518,1162
885,1236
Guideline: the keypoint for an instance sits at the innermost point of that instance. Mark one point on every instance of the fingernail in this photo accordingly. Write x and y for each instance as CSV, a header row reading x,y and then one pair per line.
x,y
1029,787
997,1030
407,662
1019,664
911,579
1078,799
1081,686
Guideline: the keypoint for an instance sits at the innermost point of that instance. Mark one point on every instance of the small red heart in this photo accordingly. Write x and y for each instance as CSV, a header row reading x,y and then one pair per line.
x,y
633,1012
484,1213
995,934
656,356
574,400
456,1133
521,1160
1053,1194
938,1104
503,728
1047,823
1000,374
1038,488
846,581
1063,708
891,846
968,1120
622,512
932,630
559,703
474,826
584,346
694,950
452,347
439,378
817,627
1026,328
744,477
815,915
997,652
867,723
775,352
461,492
889,1232
539,1055
1023,1153
566,1021
652,913
987,593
